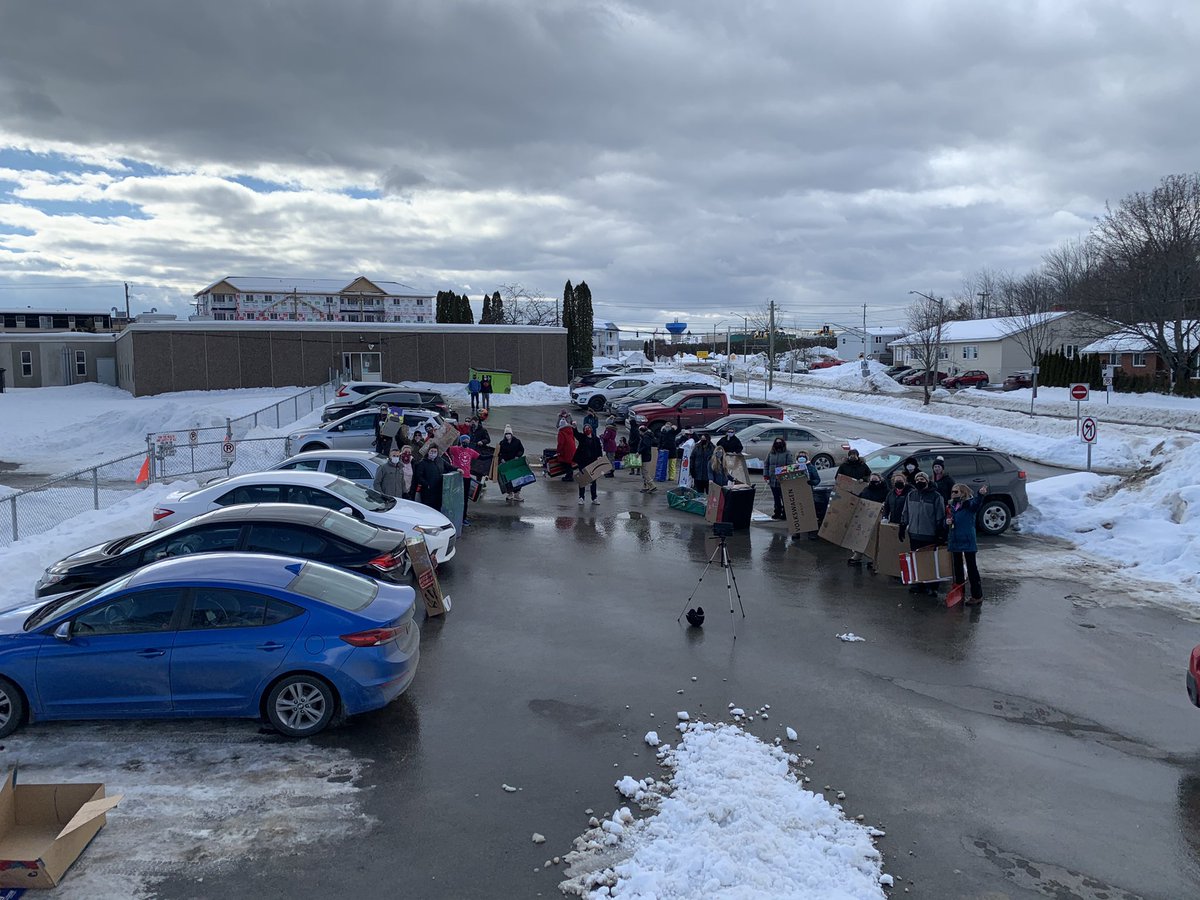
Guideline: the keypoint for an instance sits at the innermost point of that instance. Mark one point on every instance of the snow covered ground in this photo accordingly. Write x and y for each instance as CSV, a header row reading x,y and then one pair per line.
x,y
733,820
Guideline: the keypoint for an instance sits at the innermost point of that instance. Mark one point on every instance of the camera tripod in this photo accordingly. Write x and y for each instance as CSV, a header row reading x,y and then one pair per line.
x,y
731,585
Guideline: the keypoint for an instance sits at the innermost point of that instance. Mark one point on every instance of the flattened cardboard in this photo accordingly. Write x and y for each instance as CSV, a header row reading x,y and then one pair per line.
x,y
430,592
735,464
851,522
888,550
45,827
924,565
592,471
798,504
446,437
714,505
844,484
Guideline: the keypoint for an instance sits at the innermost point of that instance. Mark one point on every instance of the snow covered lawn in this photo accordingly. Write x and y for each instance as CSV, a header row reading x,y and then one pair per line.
x,y
731,821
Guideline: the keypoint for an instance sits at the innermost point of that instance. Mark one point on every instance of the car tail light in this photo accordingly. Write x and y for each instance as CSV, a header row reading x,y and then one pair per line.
x,y
342,393
1021,474
385,563
846,447
374,637
160,513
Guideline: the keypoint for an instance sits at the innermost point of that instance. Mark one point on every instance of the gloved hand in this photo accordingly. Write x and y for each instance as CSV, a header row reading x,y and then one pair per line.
x,y
903,531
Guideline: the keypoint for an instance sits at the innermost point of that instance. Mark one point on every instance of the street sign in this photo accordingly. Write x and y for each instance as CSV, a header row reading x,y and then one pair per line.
x,y
193,438
1087,430
228,451
166,445
1080,392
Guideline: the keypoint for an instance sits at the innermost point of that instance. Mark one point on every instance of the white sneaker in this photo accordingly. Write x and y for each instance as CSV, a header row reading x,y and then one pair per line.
x,y
595,501
581,500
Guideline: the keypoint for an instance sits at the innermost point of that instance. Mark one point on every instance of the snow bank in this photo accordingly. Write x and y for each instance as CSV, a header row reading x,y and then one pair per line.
x,y
1148,524
733,821
536,393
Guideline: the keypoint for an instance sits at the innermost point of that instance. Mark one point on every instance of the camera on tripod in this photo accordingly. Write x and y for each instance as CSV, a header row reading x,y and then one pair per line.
x,y
722,529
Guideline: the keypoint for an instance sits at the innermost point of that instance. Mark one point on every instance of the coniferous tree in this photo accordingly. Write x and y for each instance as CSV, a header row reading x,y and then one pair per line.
x,y
443,306
583,325
468,315
497,309
485,317
568,321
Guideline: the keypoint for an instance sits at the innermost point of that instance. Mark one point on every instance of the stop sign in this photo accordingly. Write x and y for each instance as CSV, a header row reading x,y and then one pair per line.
x,y
1079,391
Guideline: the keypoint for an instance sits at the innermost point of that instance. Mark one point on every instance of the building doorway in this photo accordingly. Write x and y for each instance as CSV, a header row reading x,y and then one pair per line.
x,y
362,366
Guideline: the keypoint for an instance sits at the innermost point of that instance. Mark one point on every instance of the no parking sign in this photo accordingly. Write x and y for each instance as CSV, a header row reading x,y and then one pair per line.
x,y
228,451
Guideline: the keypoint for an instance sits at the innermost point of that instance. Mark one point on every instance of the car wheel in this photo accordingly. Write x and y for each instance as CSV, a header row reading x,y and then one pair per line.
x,y
822,461
994,517
12,707
307,447
300,705
596,403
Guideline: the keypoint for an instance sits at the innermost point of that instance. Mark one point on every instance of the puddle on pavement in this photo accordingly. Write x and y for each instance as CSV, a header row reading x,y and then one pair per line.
x,y
1046,879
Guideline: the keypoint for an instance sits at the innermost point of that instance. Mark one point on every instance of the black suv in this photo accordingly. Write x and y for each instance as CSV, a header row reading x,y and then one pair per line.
x,y
974,466
409,398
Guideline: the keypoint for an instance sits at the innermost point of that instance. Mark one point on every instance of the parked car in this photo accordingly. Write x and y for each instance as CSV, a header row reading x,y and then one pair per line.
x,y
694,409
313,489
737,422
355,431
237,635
922,376
598,395
354,389
636,370
1193,676
589,379
823,449
652,393
974,466
358,466
897,371
406,398
311,532
1017,380
826,362
970,378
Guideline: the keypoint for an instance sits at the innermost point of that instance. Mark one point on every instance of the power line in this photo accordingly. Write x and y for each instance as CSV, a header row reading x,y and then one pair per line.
x,y
60,286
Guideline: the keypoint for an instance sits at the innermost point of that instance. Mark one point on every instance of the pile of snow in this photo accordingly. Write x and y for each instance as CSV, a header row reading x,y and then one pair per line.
x,y
1148,524
849,377
733,820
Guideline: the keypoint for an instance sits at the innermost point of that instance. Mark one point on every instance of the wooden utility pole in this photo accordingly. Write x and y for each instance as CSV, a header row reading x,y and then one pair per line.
x,y
771,346
127,302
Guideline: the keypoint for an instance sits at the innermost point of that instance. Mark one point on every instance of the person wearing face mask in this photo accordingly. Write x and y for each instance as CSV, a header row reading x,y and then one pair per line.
x,y
608,441
778,457
427,476
910,467
893,502
510,448
461,455
924,520
854,467
479,436
730,443
962,543
587,450
701,462
943,482
718,472
390,478
875,491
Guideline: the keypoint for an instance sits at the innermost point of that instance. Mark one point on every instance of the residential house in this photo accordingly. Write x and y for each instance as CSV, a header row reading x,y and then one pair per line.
x,y
606,340
1135,355
878,342
237,298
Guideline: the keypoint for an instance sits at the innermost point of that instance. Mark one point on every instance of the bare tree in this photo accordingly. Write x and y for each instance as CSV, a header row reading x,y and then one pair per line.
x,y
1031,322
925,321
976,294
527,307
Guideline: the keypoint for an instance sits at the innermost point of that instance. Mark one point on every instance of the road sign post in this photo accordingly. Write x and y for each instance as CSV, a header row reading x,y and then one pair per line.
x,y
1087,434
1079,393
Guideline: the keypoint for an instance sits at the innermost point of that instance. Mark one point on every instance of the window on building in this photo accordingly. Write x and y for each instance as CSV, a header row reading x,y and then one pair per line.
x,y
274,316
362,366
944,353
219,316
420,301
1070,351
970,352
420,318
267,298
248,298
1139,360
26,363
1114,359
80,364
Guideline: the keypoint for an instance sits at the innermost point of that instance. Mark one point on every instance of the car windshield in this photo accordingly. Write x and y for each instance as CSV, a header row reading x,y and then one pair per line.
x,y
334,586
68,604
359,495
348,527
882,460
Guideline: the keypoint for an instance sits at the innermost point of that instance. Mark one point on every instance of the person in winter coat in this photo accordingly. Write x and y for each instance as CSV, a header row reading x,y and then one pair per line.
x,y
924,520
474,386
485,388
943,482
479,437
564,418
962,544
910,467
460,457
777,458
427,476
814,478
668,439
875,491
730,443
510,448
646,452
390,478
591,420
566,449
383,443
588,449
854,467
608,441
718,472
893,503
701,459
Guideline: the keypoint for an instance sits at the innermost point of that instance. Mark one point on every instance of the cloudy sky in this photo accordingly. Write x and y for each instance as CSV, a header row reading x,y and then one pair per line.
x,y
688,158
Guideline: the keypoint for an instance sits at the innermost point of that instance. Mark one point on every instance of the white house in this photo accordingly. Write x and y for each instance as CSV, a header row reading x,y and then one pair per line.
x,y
992,344
606,340
878,342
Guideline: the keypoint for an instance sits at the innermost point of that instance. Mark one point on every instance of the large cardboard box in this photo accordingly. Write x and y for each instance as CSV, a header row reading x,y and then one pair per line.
x,y
592,471
888,549
45,827
715,504
851,522
446,437
798,504
428,589
735,463
926,564
847,485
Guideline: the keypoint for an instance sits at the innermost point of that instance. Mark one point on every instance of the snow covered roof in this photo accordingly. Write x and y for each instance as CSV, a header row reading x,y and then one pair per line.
x,y
873,329
606,326
980,331
254,284
1132,341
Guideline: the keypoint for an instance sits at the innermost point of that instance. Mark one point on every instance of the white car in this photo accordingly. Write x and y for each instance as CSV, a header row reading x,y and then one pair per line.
x,y
358,466
598,395
353,432
314,489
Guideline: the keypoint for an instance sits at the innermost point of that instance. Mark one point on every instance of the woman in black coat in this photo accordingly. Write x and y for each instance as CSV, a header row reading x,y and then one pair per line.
x,y
427,477
510,448
588,449
893,504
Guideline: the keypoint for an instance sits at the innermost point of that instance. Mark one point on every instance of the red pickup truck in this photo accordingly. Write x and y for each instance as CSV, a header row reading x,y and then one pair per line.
x,y
693,409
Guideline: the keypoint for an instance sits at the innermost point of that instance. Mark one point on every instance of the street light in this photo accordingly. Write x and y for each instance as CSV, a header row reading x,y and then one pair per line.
x,y
937,337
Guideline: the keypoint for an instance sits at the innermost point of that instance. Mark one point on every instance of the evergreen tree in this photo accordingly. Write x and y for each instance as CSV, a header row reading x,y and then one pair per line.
x,y
497,309
485,317
584,325
568,321
466,315
443,307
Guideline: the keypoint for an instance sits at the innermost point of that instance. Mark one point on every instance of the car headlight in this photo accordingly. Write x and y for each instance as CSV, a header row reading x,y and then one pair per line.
x,y
639,418
428,529
49,577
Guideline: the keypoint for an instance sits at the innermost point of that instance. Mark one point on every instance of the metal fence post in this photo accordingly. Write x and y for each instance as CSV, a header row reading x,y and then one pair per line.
x,y
95,487
277,422
256,420
13,501
150,479
295,408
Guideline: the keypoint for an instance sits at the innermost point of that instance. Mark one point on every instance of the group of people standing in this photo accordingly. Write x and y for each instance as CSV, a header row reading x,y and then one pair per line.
x,y
480,390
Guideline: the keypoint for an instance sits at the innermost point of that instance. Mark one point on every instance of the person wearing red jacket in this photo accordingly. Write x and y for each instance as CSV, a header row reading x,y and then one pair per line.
x,y
566,449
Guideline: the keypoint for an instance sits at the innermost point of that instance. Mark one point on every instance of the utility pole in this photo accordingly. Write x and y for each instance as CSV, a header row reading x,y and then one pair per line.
x,y
771,347
983,301
127,302
864,334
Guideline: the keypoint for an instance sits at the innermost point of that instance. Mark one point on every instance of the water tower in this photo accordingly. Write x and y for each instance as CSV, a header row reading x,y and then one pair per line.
x,y
676,329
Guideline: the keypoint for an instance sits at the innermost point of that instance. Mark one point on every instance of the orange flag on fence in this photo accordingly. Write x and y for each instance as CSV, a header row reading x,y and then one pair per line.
x,y
144,472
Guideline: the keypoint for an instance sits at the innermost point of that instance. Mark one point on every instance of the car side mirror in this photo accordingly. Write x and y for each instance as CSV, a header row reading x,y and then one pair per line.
x,y
350,511
63,631
339,427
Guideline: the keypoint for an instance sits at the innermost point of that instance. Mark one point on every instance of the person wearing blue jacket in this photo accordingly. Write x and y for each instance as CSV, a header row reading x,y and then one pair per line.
x,y
962,544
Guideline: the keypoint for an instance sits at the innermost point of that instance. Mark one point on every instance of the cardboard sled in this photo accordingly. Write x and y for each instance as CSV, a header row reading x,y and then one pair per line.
x,y
798,503
887,550
851,522
428,589
926,564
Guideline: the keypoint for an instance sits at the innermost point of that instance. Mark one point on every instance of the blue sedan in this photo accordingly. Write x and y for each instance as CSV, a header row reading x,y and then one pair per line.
x,y
216,634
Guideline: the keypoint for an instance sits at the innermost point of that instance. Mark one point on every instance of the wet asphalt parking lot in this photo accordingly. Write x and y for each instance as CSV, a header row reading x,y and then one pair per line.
x,y
1042,746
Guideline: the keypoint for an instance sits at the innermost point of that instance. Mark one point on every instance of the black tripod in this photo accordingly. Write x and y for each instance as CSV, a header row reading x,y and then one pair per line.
x,y
731,585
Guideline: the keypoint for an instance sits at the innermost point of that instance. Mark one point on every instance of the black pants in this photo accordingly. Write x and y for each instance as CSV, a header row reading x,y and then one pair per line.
x,y
777,495
583,488
487,399
967,557
475,402
701,485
